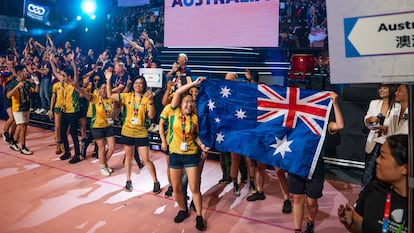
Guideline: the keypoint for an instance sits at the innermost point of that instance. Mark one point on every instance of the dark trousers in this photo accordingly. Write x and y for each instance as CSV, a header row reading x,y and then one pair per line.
x,y
72,120
369,172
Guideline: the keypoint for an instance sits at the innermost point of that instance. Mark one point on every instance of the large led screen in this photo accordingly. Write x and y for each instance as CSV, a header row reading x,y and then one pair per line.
x,y
213,23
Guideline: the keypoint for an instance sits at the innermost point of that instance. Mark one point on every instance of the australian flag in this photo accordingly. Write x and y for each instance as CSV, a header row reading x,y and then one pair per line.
x,y
279,126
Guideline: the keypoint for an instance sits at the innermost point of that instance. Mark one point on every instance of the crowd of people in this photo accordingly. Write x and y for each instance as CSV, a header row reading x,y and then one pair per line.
x,y
297,20
78,92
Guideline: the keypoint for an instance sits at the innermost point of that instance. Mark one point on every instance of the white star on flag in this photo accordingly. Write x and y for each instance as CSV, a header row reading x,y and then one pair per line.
x,y
211,105
282,146
217,120
219,137
240,114
225,92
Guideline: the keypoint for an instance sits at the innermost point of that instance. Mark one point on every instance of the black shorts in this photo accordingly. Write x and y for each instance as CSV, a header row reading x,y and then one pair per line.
x,y
99,133
134,141
299,185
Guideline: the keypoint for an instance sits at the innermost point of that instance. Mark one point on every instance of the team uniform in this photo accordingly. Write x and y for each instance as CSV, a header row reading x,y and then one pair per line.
x,y
70,117
57,91
101,121
21,101
182,132
134,114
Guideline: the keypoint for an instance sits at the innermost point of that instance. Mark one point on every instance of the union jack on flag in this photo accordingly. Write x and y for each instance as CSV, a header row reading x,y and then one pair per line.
x,y
279,126
292,107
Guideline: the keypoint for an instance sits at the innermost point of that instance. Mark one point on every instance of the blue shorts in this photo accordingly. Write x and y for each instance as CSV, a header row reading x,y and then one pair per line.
x,y
178,161
134,141
99,133
299,185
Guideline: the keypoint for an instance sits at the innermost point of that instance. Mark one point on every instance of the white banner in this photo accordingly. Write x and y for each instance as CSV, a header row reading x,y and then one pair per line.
x,y
371,41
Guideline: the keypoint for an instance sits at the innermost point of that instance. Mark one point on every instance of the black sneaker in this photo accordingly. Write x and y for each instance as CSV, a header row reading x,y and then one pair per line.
x,y
65,156
287,207
309,227
157,187
225,181
236,190
200,223
252,187
169,191
6,137
140,165
75,159
128,186
83,148
95,155
256,196
182,214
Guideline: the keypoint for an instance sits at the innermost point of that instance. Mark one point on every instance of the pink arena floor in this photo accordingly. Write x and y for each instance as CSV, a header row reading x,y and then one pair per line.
x,y
40,193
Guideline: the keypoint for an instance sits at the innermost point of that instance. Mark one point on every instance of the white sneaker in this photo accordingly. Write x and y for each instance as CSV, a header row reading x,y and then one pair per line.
x,y
42,111
25,151
109,169
151,127
14,147
38,111
155,129
105,172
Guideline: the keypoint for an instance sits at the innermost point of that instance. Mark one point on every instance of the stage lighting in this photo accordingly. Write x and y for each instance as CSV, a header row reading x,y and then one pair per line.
x,y
86,29
79,17
93,17
88,6
60,30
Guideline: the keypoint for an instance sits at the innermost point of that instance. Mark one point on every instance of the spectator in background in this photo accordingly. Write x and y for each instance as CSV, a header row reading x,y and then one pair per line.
x,y
377,115
302,35
148,52
180,73
383,205
45,71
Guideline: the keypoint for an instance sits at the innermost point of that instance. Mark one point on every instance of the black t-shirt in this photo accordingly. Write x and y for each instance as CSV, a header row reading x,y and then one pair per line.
x,y
370,205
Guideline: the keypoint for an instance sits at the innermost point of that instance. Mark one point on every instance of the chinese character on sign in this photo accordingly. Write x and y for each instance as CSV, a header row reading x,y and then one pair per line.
x,y
403,41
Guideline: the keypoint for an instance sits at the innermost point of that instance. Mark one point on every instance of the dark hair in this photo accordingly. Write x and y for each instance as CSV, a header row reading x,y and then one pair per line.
x,y
18,68
69,72
144,81
392,89
100,83
399,148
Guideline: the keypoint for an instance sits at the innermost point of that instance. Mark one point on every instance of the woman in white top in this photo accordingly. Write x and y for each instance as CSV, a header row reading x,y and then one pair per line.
x,y
378,115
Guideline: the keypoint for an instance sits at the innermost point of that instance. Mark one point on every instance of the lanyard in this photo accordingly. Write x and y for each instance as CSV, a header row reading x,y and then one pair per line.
x,y
386,219
387,210
136,108
105,105
183,126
